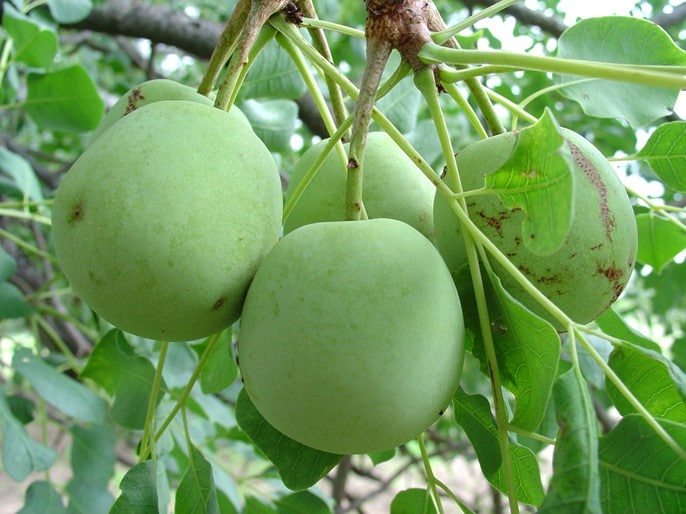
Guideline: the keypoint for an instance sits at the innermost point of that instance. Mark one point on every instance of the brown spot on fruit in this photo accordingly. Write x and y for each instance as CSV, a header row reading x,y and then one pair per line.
x,y
76,213
133,99
218,304
594,176
495,222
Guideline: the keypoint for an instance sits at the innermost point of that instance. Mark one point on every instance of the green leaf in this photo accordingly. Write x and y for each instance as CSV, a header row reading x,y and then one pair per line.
x,y
86,498
197,493
379,457
401,105
21,173
92,454
7,264
13,304
42,498
528,352
138,490
299,466
639,472
60,391
302,502
65,100
69,11
612,324
255,506
665,151
273,75
659,240
34,44
537,179
273,121
624,40
220,370
124,375
655,381
20,454
473,414
413,501
575,485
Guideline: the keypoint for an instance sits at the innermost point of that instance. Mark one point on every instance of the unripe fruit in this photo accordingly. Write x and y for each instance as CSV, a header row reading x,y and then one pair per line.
x,y
161,223
393,187
351,337
156,90
589,271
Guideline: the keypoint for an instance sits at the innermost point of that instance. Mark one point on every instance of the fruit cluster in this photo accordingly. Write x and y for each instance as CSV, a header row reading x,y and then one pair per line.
x,y
351,332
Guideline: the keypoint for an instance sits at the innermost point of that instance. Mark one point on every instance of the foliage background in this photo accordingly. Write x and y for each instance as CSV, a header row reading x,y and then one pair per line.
x,y
94,53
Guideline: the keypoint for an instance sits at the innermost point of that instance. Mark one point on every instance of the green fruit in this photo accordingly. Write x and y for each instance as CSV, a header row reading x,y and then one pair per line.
x,y
587,274
393,187
351,336
151,91
160,226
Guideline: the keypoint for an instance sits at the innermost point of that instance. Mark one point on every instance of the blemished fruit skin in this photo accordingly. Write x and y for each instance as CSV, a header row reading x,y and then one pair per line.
x,y
351,339
155,90
393,187
590,270
161,223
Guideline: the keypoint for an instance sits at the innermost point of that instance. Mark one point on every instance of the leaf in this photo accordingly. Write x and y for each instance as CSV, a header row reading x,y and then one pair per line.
x,y
34,44
42,498
413,501
528,352
65,100
60,391
659,240
255,506
138,490
537,179
197,493
473,414
302,502
273,121
639,472
273,75
220,370
655,381
7,264
299,466
401,105
69,11
124,375
624,40
665,151
92,454
21,173
379,457
20,454
86,498
575,485
612,324
13,304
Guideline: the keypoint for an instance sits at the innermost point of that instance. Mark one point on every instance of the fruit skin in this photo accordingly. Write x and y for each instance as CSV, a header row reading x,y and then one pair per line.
x,y
587,274
393,187
151,91
160,225
351,338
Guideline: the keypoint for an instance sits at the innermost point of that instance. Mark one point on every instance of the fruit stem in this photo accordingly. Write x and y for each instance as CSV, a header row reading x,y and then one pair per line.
x,y
467,109
378,51
433,53
225,46
265,36
147,441
259,13
321,44
450,32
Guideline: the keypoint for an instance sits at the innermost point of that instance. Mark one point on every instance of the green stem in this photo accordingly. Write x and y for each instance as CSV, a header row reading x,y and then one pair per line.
x,y
432,53
532,435
378,51
430,477
629,396
265,36
225,46
61,345
315,23
11,213
27,247
147,442
511,106
453,496
444,35
467,109
214,339
46,310
665,211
